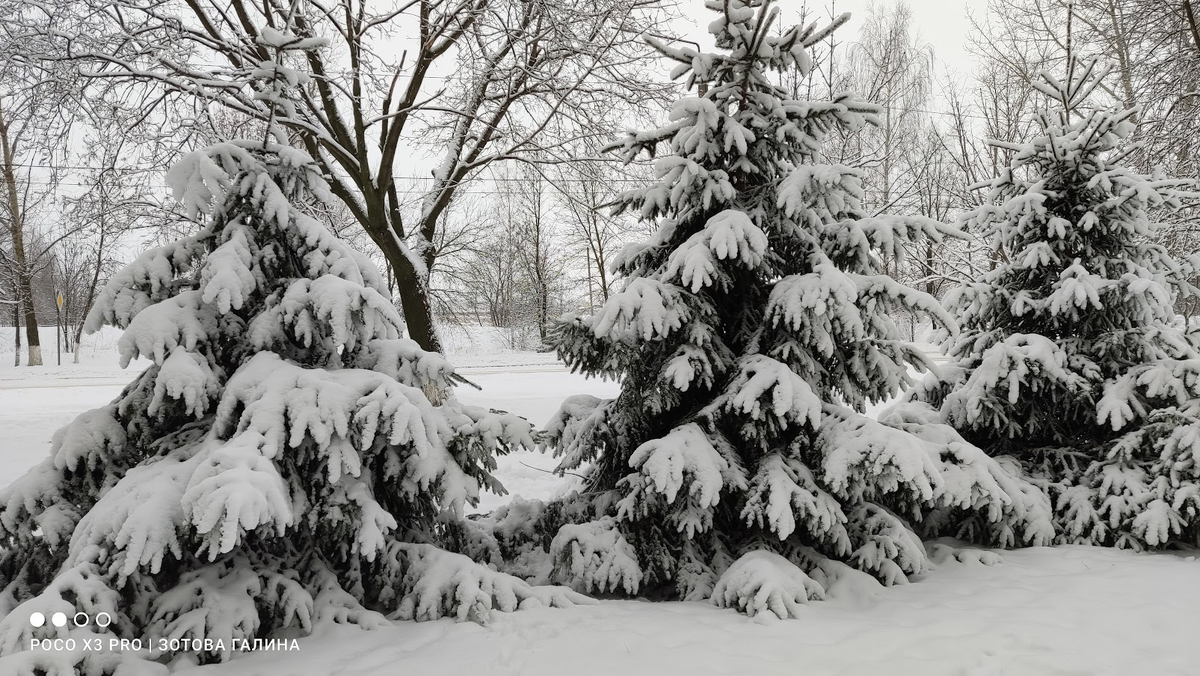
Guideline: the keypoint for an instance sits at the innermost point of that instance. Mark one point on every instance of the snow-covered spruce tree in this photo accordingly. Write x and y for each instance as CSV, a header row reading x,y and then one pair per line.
x,y
278,465
1070,356
751,331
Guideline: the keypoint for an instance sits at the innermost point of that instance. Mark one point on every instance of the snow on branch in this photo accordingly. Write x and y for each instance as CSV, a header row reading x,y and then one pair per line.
x,y
646,309
595,557
688,458
766,389
785,491
764,585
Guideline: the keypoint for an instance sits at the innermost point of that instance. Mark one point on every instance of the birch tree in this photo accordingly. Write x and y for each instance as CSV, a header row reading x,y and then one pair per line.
x,y
890,66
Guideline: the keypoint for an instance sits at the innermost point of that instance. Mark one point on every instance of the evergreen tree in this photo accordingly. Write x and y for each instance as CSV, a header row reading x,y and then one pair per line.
x,y
1071,357
751,332
279,465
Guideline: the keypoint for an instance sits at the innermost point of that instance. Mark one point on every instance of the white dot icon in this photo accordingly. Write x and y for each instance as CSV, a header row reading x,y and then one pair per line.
x,y
37,619
59,619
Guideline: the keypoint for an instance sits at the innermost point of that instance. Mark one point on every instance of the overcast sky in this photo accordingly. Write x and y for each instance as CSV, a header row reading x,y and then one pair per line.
x,y
941,23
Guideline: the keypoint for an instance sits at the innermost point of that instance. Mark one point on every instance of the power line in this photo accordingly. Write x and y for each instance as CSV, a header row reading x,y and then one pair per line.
x,y
412,177
407,177
406,192
443,78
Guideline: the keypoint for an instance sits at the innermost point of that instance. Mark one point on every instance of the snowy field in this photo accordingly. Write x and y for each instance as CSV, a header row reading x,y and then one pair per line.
x,y
1051,611
1068,610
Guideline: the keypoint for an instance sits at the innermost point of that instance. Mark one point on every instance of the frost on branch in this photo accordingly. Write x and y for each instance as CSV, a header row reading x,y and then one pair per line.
x,y
270,469
141,517
151,277
752,330
216,601
572,430
403,359
769,394
729,236
887,546
866,459
1071,357
1146,493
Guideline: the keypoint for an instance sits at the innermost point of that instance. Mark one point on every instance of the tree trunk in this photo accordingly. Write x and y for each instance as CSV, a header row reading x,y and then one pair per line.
x,y
16,334
414,303
930,261
31,323
539,279
384,227
602,268
1124,65
24,276
1190,13
544,314
587,255
91,292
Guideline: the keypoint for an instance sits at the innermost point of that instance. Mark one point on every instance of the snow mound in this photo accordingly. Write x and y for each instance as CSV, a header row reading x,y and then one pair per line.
x,y
765,586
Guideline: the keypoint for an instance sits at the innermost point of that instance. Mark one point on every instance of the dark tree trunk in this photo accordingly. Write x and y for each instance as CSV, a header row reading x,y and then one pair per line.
x,y
24,276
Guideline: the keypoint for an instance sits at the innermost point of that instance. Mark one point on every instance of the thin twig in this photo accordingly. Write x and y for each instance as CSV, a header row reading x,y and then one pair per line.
x,y
548,471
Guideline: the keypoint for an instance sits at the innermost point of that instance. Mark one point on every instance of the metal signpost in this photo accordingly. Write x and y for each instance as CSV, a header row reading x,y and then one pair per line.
x,y
58,300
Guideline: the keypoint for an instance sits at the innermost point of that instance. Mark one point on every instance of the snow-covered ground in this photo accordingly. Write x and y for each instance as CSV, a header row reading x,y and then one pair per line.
x,y
1050,611
1041,612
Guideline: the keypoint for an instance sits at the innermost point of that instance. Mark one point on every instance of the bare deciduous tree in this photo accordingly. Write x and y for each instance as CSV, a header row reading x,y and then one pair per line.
x,y
586,191
31,130
889,66
490,278
96,221
473,81
535,240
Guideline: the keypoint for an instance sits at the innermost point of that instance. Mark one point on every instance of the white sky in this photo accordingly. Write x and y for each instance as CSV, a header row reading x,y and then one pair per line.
x,y
941,23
